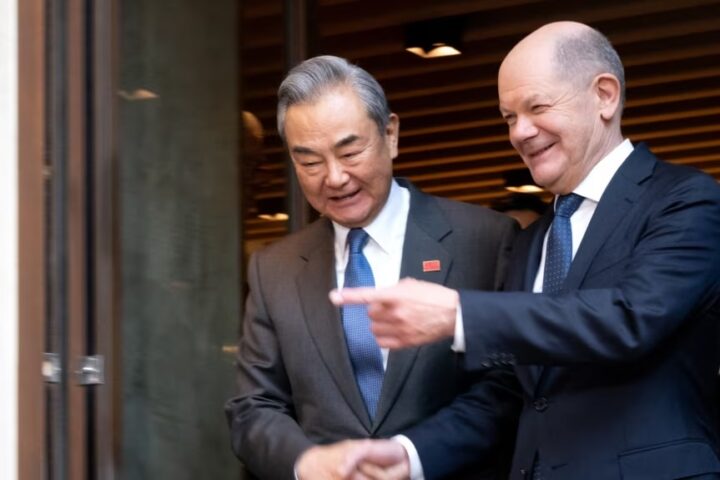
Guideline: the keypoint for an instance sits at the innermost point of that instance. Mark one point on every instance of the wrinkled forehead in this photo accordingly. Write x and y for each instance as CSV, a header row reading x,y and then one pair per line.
x,y
531,78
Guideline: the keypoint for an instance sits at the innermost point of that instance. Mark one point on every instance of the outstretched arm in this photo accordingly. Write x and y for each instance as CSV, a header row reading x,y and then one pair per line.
x,y
637,298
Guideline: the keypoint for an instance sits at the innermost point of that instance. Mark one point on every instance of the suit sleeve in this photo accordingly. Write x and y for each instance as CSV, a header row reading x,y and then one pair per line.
x,y
265,435
670,276
478,427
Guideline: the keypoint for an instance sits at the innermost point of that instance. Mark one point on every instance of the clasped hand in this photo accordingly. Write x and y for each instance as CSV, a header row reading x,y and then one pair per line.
x,y
354,460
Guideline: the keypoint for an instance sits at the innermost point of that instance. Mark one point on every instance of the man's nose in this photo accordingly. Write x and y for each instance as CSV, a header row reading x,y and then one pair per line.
x,y
523,129
336,174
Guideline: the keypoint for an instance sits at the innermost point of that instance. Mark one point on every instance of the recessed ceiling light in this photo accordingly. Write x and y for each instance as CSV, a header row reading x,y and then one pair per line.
x,y
137,95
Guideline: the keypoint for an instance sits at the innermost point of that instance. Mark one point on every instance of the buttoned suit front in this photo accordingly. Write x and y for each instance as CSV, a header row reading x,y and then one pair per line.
x,y
296,382
618,370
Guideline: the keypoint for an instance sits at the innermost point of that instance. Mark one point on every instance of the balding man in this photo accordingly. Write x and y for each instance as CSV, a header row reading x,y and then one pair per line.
x,y
613,325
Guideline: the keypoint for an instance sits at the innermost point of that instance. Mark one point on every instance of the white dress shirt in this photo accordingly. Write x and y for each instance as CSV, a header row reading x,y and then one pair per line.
x,y
591,189
385,246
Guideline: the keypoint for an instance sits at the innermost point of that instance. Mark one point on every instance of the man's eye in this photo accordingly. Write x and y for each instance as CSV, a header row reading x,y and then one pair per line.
x,y
539,108
509,119
310,163
349,154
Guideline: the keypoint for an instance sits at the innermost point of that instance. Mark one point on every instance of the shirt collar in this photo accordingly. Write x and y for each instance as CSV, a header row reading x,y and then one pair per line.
x,y
595,183
383,228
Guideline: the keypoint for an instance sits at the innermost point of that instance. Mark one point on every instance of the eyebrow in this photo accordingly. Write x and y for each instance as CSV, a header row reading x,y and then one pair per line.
x,y
350,139
303,150
528,101
533,99
347,141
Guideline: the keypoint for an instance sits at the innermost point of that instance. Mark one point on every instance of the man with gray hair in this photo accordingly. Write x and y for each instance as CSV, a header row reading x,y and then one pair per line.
x,y
311,374
613,318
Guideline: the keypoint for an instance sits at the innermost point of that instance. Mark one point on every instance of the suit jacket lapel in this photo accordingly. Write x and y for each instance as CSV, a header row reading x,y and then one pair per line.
x,y
323,319
425,227
529,376
619,196
535,249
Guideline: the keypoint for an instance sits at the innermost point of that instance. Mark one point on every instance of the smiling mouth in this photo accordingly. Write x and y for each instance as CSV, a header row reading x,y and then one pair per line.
x,y
541,151
340,198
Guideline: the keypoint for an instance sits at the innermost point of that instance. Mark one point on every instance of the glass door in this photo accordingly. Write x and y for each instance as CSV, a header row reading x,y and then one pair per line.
x,y
178,231
143,237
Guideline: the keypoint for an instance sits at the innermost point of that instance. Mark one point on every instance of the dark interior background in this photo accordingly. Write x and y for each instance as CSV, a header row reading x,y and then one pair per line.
x,y
453,142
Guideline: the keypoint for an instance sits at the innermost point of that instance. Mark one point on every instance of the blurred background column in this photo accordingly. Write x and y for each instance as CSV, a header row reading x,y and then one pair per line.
x,y
179,156
298,47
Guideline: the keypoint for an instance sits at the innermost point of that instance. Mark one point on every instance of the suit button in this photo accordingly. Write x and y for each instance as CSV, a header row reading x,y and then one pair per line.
x,y
524,473
541,404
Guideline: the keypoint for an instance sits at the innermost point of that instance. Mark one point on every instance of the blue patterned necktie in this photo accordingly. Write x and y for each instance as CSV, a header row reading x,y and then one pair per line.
x,y
559,247
363,348
557,264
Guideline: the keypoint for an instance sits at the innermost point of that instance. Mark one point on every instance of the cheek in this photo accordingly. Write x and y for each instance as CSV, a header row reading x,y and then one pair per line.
x,y
574,143
378,181
365,172
311,185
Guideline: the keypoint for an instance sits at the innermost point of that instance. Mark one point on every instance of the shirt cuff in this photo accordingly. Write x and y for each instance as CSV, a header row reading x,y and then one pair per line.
x,y
416,470
458,345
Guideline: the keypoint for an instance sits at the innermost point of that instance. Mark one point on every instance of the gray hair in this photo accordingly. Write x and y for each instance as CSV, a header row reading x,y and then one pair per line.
x,y
588,54
308,81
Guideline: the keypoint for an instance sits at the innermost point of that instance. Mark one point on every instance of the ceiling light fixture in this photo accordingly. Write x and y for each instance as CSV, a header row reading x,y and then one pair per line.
x,y
440,37
137,94
271,209
520,181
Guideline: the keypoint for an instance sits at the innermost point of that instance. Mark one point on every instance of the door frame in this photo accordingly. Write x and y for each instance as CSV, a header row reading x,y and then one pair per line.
x,y
66,111
31,240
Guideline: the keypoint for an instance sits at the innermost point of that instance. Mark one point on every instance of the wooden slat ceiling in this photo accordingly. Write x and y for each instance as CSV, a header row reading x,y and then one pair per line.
x,y
453,142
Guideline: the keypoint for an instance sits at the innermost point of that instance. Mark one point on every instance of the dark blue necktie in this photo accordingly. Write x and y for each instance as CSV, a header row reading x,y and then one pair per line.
x,y
364,351
537,469
558,258
559,247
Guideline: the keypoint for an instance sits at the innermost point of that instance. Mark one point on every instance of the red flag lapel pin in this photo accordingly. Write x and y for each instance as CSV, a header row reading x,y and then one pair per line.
x,y
431,265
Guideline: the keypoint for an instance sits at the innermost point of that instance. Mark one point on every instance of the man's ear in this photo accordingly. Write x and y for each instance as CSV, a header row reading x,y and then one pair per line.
x,y
392,133
607,90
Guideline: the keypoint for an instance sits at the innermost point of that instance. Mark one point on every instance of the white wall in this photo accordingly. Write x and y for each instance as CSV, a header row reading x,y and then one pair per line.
x,y
8,239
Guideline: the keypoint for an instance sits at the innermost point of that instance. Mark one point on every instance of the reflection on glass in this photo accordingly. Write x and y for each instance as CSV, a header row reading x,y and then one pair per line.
x,y
180,211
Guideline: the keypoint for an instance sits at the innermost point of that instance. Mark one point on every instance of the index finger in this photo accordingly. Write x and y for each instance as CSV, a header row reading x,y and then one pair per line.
x,y
356,296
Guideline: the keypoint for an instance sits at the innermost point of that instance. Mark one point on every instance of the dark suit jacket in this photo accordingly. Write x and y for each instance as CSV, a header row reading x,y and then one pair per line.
x,y
618,372
296,383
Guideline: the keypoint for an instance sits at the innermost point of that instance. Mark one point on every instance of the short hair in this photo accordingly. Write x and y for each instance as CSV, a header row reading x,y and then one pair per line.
x,y
308,81
587,54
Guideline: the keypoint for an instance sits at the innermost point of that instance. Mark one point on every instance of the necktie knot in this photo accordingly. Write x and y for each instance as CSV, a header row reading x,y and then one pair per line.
x,y
567,204
357,238
559,246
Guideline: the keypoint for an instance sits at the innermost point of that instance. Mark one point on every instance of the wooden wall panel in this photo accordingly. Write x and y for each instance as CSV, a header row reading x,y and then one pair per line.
x,y
452,139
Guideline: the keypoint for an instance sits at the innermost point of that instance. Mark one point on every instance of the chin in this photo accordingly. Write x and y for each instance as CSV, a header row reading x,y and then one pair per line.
x,y
350,222
545,175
